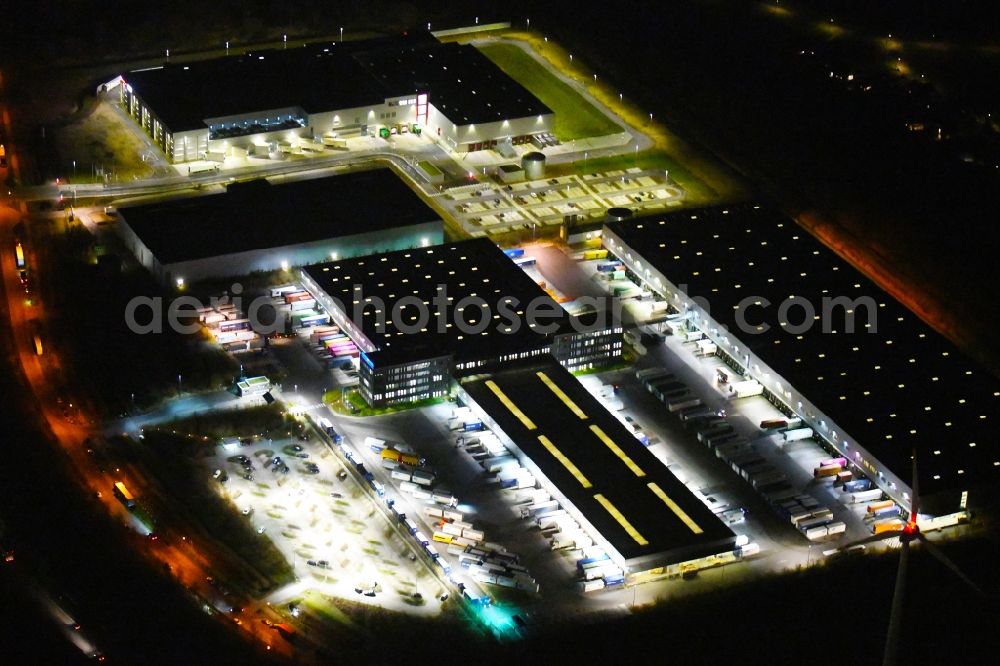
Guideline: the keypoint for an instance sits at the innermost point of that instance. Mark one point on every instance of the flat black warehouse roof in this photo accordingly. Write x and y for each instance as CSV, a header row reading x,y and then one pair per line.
x,y
258,215
472,269
462,83
622,489
314,78
901,388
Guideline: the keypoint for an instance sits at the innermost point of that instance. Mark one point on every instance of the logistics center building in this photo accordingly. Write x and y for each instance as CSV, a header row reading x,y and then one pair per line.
x,y
259,102
872,380
625,498
421,316
260,226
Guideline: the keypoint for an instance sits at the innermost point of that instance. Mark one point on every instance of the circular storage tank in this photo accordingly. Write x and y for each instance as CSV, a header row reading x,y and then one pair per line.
x,y
534,165
618,214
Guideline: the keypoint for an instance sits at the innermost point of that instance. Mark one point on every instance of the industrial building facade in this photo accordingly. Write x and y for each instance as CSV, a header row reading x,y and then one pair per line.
x,y
873,381
422,316
263,103
256,226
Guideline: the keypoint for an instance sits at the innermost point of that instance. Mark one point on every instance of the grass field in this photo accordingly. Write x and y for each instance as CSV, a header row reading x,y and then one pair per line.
x,y
715,181
100,141
429,168
696,190
575,118
358,407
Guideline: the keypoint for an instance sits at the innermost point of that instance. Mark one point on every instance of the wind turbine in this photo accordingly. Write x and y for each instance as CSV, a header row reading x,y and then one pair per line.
x,y
909,533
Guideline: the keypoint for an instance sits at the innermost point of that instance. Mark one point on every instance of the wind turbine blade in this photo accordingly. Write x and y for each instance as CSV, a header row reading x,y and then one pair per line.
x,y
944,559
884,536
889,657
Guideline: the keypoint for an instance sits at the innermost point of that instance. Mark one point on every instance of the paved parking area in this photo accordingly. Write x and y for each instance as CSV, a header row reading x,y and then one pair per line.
x,y
304,150
795,459
426,431
489,509
326,526
488,208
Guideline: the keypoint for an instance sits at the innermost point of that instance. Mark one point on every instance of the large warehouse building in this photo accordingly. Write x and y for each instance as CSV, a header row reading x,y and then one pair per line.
x,y
197,110
649,522
419,316
259,226
873,381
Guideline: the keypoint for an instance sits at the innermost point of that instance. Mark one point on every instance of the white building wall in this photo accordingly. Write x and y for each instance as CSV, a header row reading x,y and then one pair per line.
x,y
272,259
326,122
190,145
386,114
138,249
461,137
195,144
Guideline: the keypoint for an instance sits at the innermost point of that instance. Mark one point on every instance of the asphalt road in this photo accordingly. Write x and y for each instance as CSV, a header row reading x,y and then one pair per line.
x,y
67,424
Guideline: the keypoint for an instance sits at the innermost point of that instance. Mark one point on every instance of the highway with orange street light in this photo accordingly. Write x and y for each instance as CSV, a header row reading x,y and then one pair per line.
x,y
191,560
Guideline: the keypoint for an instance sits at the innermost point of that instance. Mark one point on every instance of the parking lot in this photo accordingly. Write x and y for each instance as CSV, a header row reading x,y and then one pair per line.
x,y
444,481
488,208
300,496
294,515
